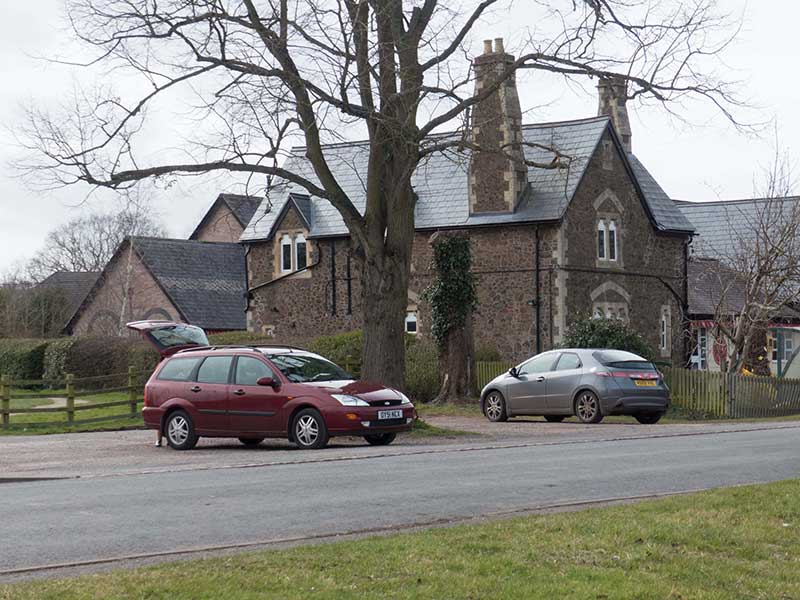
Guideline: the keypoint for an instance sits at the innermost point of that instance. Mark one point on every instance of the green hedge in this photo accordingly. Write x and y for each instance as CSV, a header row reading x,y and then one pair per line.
x,y
55,359
22,358
238,337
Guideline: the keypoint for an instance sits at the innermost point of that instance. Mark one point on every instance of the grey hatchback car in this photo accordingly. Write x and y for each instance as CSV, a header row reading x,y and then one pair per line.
x,y
586,383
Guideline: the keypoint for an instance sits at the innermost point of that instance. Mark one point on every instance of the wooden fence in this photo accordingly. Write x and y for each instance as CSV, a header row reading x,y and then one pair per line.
x,y
731,395
24,402
486,371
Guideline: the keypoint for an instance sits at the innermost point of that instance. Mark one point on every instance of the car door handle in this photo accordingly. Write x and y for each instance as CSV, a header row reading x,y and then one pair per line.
x,y
540,378
195,389
239,393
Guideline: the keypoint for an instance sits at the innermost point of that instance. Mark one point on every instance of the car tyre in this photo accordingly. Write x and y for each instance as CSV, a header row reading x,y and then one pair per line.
x,y
554,418
380,439
494,407
587,407
308,430
251,441
648,418
179,431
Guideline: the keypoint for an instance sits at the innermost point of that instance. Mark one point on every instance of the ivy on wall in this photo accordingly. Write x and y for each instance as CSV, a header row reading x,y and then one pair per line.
x,y
452,294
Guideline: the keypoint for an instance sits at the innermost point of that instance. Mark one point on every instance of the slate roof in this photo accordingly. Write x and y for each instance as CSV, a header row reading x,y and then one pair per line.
x,y
242,207
724,225
709,283
441,184
74,285
205,280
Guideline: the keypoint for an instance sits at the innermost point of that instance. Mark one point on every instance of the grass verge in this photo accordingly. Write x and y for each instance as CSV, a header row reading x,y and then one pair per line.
x,y
726,544
422,429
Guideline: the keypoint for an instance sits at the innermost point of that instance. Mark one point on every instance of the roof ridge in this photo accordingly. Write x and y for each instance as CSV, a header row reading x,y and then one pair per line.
x,y
296,149
183,240
733,201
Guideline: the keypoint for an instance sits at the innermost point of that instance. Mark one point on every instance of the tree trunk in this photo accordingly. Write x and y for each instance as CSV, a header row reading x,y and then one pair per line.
x,y
384,299
457,362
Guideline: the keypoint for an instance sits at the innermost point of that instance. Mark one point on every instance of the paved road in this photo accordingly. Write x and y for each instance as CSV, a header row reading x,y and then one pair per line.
x,y
48,522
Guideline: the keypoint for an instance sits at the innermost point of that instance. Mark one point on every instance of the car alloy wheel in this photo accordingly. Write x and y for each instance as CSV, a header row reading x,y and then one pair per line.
x,y
309,430
180,431
587,408
495,407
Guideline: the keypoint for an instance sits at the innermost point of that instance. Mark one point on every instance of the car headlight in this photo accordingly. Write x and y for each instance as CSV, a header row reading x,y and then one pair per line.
x,y
404,398
347,400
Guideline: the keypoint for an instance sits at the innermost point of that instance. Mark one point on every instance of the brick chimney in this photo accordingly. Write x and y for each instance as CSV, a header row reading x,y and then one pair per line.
x,y
612,95
497,172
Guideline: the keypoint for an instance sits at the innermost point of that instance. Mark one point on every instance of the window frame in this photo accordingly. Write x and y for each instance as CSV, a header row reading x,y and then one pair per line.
x,y
601,245
561,356
235,379
198,360
300,239
411,316
612,252
286,241
553,358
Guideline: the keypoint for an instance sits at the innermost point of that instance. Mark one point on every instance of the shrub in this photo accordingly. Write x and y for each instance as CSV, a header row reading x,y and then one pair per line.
x,y
343,348
606,333
487,354
228,338
55,359
422,371
22,358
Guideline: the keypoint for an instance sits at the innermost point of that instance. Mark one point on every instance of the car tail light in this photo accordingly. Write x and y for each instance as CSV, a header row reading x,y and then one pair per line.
x,y
627,374
146,403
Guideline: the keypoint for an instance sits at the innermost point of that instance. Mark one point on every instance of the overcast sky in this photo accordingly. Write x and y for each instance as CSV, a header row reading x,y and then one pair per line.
x,y
706,160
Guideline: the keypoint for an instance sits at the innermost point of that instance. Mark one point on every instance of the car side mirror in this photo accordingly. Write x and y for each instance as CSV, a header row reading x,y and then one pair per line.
x,y
273,383
513,372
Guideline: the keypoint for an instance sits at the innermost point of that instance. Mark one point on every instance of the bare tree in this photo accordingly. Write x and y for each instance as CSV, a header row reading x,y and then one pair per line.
x,y
269,73
757,277
87,243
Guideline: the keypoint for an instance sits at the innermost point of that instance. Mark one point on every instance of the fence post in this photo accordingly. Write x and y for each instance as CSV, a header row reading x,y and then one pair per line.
x,y
5,395
70,399
132,390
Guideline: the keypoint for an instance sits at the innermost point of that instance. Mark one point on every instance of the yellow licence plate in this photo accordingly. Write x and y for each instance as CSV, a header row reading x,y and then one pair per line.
x,y
646,382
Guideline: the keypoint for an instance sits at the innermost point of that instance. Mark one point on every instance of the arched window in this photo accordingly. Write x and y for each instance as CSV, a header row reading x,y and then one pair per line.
x,y
601,239
286,254
612,240
300,251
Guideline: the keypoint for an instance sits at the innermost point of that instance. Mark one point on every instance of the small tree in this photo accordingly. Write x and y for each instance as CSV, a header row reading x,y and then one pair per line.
x,y
87,243
453,297
606,333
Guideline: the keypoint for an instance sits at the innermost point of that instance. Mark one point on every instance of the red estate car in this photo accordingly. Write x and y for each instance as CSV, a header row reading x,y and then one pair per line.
x,y
252,393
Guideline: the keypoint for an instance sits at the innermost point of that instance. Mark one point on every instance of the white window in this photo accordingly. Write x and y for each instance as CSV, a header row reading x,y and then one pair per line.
x,y
663,333
700,352
598,313
612,240
286,254
601,239
788,346
301,260
411,323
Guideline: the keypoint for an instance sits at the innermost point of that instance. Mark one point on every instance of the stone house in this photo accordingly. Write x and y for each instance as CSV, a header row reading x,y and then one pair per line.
x,y
155,278
596,235
226,219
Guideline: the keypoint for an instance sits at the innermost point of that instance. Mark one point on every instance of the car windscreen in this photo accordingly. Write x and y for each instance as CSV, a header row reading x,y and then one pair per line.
x,y
302,368
618,359
178,335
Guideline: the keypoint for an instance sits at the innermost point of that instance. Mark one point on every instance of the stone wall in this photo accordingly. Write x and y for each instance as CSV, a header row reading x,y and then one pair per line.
x,y
126,275
647,261
220,225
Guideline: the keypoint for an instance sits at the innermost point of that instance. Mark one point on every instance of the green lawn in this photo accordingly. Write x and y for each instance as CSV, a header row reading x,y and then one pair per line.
x,y
57,421
726,544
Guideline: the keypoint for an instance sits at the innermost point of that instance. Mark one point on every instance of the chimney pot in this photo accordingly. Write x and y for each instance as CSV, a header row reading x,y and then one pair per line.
x,y
612,98
498,46
487,46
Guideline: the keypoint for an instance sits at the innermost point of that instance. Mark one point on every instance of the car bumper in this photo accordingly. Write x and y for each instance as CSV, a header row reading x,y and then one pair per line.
x,y
152,416
353,420
628,405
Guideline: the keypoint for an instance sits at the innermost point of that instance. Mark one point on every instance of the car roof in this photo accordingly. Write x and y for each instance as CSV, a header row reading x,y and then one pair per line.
x,y
266,350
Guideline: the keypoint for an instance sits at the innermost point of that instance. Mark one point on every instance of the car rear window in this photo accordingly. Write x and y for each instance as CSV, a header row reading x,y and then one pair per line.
x,y
618,359
178,369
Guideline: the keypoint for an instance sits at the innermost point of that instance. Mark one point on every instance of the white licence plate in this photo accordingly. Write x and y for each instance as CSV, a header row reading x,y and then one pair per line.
x,y
390,414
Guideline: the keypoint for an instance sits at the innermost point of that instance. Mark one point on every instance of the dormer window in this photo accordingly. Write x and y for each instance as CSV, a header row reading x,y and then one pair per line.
x,y
300,251
286,254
